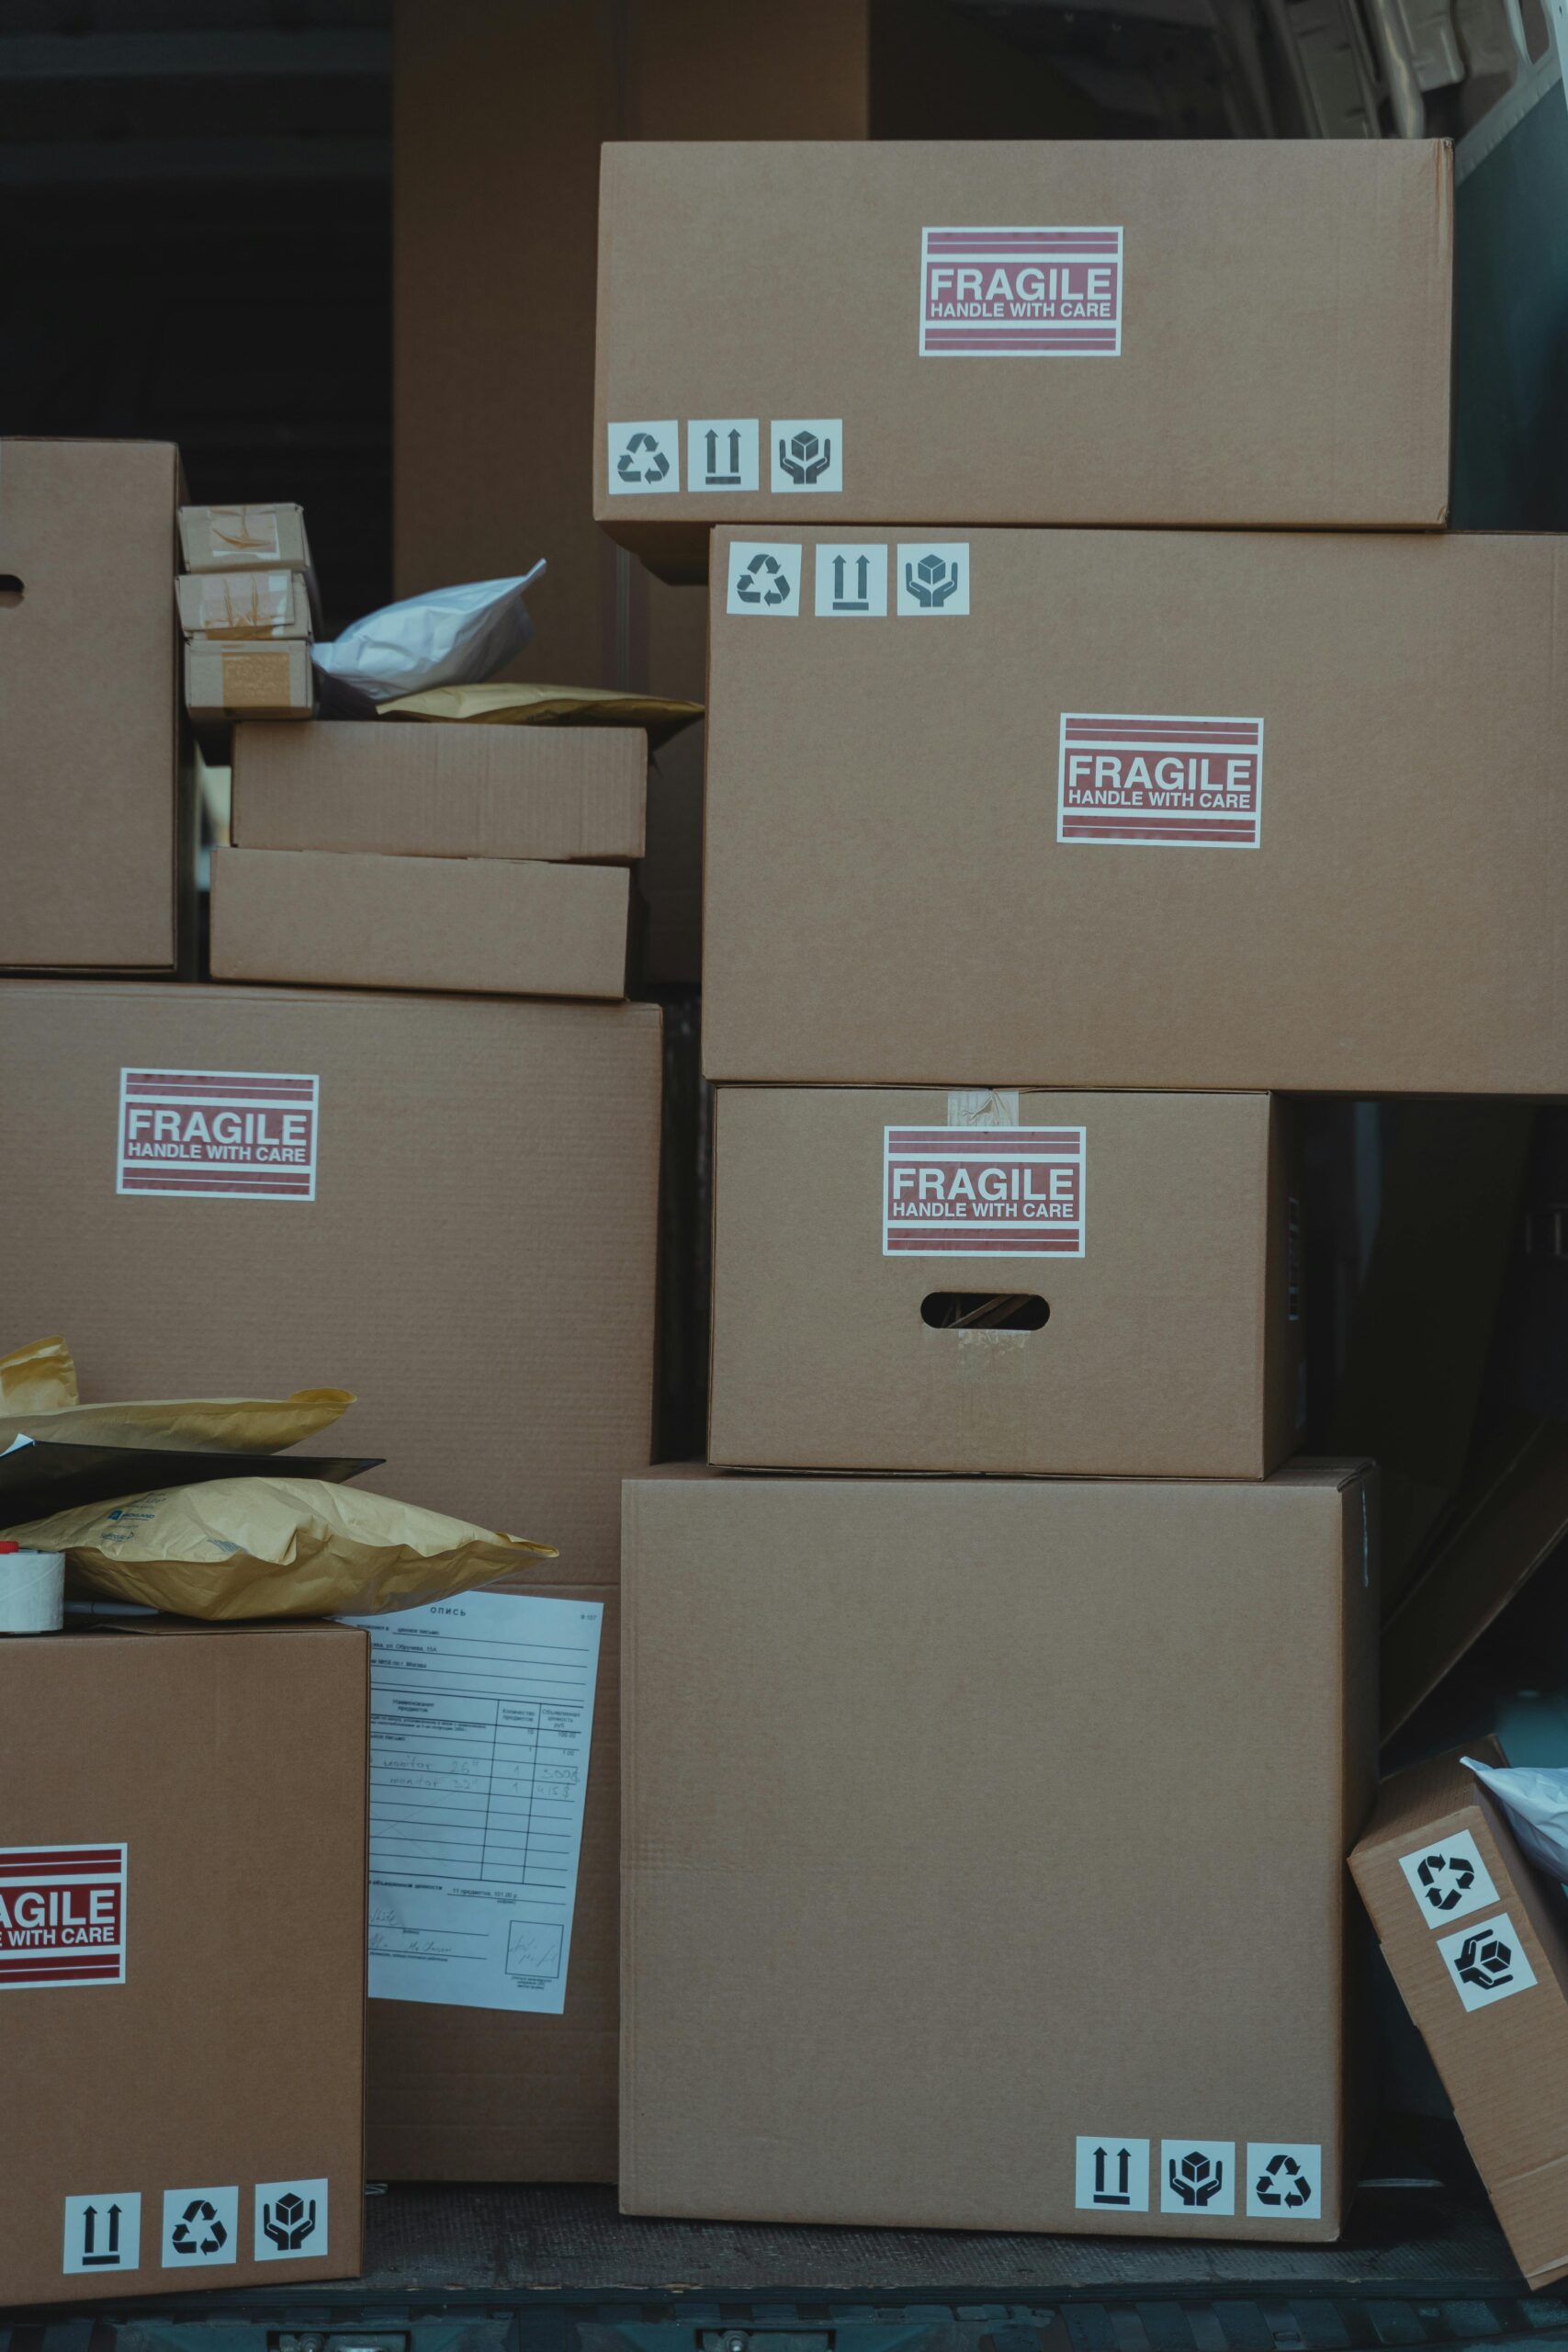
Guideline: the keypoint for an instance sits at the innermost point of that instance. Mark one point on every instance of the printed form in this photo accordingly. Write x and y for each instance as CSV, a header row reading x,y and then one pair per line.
x,y
482,1713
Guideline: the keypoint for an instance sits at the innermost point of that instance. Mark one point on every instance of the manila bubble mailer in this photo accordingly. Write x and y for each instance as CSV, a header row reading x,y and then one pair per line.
x,y
39,1399
274,1547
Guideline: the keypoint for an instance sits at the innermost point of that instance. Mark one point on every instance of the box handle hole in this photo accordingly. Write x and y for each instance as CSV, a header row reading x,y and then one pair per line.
x,y
984,1310
10,588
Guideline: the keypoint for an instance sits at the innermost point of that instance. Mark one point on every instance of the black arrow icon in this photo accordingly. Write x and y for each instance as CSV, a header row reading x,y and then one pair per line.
x,y
731,481
109,2257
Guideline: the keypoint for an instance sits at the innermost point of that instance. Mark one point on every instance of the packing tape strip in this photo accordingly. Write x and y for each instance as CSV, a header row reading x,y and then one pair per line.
x,y
983,1106
33,1592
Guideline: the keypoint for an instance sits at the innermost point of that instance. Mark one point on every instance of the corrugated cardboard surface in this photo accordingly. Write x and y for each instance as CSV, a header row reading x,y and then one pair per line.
x,y
230,1765
240,539
1164,1353
887,899
89,685
487,925
1273,292
487,2095
932,1865
477,1264
225,680
571,794
1504,2066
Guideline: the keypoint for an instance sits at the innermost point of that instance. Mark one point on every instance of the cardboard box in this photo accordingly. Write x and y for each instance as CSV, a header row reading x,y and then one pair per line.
x,y
1477,1941
242,605
458,2094
492,926
243,538
477,1264
1144,1244
986,1893
225,680
181,2070
821,333
1357,888
95,838
571,794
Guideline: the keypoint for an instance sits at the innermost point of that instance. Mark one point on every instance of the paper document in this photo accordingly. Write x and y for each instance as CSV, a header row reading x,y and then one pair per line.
x,y
481,1714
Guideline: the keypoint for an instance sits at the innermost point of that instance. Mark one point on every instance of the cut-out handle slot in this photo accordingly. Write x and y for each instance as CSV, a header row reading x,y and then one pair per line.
x,y
984,1310
11,588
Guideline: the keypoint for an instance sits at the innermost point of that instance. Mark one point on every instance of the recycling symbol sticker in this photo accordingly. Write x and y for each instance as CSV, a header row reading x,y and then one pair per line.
x,y
765,577
645,456
1284,2180
200,2226
1449,1880
1197,2177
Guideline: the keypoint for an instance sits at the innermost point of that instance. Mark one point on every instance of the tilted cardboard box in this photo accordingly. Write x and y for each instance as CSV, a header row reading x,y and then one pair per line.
x,y
96,841
1139,809
983,1860
1144,1247
492,926
573,795
182,1959
1477,1941
1109,332
464,1235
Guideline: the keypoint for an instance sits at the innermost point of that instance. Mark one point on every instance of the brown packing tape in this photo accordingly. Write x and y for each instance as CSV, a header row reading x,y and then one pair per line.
x,y
245,605
249,531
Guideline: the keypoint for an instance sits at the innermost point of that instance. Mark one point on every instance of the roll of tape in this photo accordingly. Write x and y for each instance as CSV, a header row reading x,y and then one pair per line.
x,y
33,1592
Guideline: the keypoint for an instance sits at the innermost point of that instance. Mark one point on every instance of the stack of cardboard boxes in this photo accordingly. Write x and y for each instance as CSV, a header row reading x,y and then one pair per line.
x,y
984,1844
247,600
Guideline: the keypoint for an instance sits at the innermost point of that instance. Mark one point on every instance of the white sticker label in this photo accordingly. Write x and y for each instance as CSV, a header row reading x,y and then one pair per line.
x,y
201,2228
808,453
62,1916
851,581
765,577
1021,293
215,1135
103,2232
968,1192
1159,781
1111,2174
1197,2177
644,457
290,2219
1487,1964
1284,2180
932,576
1449,1881
722,452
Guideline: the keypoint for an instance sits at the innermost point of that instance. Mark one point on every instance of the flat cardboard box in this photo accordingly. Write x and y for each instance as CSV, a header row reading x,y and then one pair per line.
x,y
571,794
1152,1235
243,538
834,334
1477,1941
224,681
96,840
490,926
222,605
919,871
184,2051
477,1264
978,1831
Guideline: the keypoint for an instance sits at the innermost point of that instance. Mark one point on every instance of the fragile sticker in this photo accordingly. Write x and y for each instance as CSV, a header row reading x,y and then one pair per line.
x,y
1487,1964
290,2219
765,577
1448,1880
1167,781
219,1135
808,453
62,1916
1021,293
974,1192
1197,2177
1110,2175
932,576
1284,2180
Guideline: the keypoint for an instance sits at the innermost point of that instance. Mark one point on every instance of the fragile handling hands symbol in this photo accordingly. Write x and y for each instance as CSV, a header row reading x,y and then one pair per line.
x,y
199,2228
931,582
290,2223
1195,2178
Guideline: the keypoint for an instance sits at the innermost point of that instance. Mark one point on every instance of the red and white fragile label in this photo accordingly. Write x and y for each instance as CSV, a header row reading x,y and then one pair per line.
x,y
1021,293
980,1192
1129,777
219,1135
62,1914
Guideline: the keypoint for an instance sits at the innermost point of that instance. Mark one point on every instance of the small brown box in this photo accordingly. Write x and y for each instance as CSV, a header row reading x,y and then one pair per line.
x,y
243,538
242,606
181,2070
225,682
